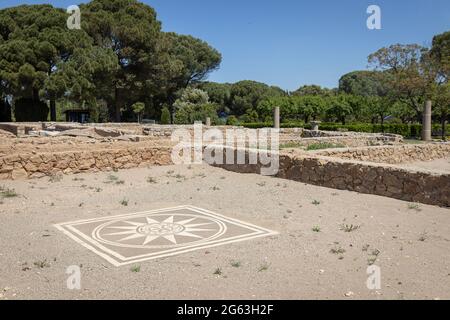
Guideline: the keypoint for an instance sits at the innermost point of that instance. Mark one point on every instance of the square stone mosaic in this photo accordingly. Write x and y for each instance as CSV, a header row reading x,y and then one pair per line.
x,y
142,236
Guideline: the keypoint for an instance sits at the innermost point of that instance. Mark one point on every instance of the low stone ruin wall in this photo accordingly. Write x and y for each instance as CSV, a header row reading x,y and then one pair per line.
x,y
379,179
345,141
392,154
366,177
38,165
19,129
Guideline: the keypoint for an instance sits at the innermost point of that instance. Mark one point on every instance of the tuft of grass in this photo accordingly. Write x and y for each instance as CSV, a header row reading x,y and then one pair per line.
x,y
55,178
98,189
25,267
323,145
337,250
349,227
423,236
414,206
264,267
373,257
201,175
218,271
376,252
261,184
315,202
42,264
78,179
151,180
8,193
169,173
235,264
124,202
114,179
316,229
135,268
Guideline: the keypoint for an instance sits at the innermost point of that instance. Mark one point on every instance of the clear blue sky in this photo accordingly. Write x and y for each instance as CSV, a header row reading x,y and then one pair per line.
x,y
294,42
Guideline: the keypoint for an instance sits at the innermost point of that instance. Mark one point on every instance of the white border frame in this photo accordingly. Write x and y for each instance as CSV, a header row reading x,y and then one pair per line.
x,y
108,254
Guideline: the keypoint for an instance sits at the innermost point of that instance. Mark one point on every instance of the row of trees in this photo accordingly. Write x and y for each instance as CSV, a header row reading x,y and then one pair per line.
x,y
119,57
401,78
121,66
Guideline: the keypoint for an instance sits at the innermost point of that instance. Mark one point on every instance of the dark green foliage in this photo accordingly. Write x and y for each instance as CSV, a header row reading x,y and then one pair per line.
x,y
364,83
312,90
120,56
29,110
165,115
5,111
232,121
219,93
194,105
246,95
34,39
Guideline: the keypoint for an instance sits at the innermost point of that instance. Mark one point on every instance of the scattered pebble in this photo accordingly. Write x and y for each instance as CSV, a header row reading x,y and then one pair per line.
x,y
350,294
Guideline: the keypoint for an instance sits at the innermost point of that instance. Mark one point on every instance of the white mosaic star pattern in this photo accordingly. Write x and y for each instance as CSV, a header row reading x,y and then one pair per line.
x,y
142,236
153,229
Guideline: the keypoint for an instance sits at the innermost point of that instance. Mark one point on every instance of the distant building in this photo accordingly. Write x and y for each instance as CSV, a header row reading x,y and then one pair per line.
x,y
74,115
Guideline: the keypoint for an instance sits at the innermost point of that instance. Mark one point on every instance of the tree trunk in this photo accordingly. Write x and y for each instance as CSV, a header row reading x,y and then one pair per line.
x,y
35,97
116,106
52,110
443,126
5,111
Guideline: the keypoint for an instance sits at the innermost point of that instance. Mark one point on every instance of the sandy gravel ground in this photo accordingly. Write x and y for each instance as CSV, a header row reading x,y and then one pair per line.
x,y
440,165
410,243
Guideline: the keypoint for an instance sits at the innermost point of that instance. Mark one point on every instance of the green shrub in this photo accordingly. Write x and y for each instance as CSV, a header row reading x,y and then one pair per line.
x,y
232,121
165,115
190,113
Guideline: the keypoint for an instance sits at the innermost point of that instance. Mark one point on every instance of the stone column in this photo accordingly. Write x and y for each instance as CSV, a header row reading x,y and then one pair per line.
x,y
276,118
315,125
426,122
208,121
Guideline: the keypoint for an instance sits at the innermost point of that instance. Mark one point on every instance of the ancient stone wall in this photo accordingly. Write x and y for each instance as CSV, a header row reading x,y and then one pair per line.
x,y
37,165
392,154
379,179
314,168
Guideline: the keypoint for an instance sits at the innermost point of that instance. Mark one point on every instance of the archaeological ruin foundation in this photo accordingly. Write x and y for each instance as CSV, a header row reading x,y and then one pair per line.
x,y
380,164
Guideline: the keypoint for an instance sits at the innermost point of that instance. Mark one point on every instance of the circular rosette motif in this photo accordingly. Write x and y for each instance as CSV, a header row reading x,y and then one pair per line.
x,y
159,231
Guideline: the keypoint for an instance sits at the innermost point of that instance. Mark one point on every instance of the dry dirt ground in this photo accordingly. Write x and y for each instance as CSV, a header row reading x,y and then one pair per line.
x,y
409,242
439,165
